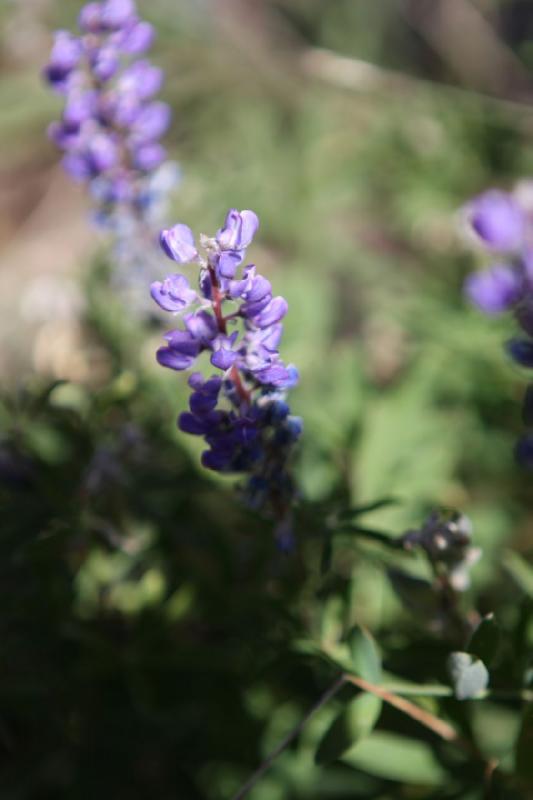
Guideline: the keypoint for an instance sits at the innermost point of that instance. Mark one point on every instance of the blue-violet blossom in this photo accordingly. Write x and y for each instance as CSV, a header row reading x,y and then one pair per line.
x,y
241,410
502,222
111,125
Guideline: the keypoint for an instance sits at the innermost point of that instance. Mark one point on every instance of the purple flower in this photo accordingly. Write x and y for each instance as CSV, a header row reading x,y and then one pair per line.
x,y
173,294
79,107
149,156
498,220
110,129
102,153
521,351
105,64
90,18
496,289
178,244
64,135
173,359
64,58
151,123
242,416
117,13
271,314
223,354
202,325
136,38
238,231
227,263
504,222
141,79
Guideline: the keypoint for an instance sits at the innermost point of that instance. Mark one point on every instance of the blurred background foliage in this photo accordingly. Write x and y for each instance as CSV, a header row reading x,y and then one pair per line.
x,y
154,642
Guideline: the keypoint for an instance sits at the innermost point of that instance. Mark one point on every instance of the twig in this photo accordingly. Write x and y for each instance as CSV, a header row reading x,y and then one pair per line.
x,y
425,718
524,695
390,695
267,763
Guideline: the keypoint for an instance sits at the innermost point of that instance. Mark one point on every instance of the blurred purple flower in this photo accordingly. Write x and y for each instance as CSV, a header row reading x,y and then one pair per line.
x,y
496,289
111,126
498,220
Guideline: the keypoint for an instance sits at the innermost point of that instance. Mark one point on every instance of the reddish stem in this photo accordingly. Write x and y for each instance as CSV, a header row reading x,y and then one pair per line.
x,y
242,391
218,297
217,301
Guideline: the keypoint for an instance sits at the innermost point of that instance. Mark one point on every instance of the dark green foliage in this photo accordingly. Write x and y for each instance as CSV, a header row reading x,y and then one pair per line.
x,y
485,640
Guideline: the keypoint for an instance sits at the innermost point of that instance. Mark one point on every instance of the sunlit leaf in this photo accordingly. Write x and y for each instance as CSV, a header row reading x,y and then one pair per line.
x,y
365,658
519,570
469,675
396,758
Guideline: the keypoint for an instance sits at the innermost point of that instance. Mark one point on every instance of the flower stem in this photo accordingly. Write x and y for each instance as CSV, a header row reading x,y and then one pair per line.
x,y
269,760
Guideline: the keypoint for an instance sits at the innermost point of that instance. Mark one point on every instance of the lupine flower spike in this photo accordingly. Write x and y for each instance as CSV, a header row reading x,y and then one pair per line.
x,y
232,317
111,124
502,222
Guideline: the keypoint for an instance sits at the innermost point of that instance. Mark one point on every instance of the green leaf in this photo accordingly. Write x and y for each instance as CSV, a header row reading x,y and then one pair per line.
x,y
364,655
485,641
396,758
354,722
382,537
520,571
524,747
469,675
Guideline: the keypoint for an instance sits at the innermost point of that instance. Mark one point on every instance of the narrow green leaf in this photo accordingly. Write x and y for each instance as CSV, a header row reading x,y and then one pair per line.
x,y
365,658
524,747
354,722
357,511
387,539
469,675
485,641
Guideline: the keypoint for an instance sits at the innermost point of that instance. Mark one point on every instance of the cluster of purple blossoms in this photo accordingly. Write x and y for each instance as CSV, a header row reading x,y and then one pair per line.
x,y
111,125
240,411
503,224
